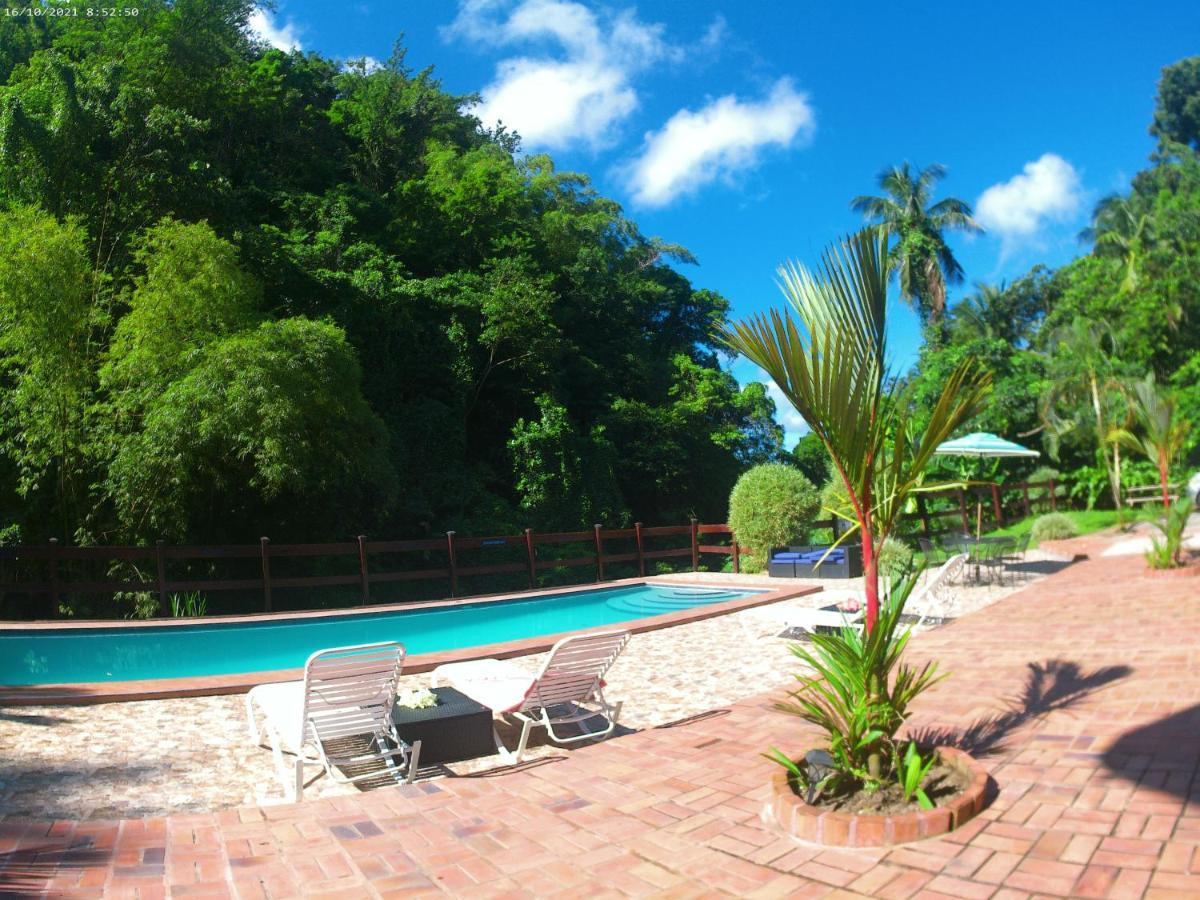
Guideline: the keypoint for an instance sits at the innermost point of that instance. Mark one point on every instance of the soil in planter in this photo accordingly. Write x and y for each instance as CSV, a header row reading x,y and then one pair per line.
x,y
942,785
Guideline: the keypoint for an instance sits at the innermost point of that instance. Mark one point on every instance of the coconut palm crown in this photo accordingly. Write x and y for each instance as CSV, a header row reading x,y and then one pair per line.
x,y
827,353
921,257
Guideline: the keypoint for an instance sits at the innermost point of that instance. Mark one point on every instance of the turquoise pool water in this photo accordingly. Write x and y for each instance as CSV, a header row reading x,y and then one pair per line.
x,y
179,651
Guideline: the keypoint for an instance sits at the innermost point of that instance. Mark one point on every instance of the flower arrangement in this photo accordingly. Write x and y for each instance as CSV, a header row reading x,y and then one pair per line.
x,y
417,698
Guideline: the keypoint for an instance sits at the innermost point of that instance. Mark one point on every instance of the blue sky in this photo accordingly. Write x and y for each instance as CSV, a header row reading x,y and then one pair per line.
x,y
742,130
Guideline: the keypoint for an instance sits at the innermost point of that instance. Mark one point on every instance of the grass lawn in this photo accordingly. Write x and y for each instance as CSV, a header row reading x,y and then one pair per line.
x,y
1086,520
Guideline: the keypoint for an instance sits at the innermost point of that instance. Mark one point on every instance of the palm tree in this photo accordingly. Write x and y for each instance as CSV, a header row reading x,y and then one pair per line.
x,y
827,355
1162,436
1121,230
1084,389
920,256
976,316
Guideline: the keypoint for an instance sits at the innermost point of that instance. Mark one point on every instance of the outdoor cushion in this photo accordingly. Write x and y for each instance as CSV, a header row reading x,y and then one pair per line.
x,y
786,557
497,684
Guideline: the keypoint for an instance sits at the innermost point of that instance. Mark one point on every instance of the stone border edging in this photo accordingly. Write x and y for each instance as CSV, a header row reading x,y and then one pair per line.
x,y
788,811
84,693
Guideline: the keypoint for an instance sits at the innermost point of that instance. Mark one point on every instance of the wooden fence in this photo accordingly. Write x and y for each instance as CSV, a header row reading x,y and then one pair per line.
x,y
46,574
994,504
364,556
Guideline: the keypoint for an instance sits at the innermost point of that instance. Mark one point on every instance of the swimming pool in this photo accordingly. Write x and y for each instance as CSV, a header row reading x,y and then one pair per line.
x,y
136,652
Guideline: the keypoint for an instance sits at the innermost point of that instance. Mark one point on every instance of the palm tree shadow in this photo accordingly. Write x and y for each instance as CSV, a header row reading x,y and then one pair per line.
x,y
1053,686
29,870
1167,745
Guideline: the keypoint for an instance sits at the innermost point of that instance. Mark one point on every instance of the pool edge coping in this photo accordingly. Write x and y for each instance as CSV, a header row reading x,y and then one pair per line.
x,y
85,693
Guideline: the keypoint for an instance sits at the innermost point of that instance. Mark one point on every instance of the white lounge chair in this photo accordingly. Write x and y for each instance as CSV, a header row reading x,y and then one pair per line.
x,y
936,596
569,688
347,693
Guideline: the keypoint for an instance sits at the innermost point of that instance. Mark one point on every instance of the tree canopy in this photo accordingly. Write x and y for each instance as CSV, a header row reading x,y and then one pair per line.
x,y
1068,348
248,292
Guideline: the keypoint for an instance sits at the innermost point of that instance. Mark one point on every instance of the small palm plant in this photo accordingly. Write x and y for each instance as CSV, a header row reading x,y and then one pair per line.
x,y
827,354
1168,552
1161,434
859,697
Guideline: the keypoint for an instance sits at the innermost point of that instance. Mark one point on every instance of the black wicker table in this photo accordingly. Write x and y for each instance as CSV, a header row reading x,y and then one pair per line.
x,y
457,728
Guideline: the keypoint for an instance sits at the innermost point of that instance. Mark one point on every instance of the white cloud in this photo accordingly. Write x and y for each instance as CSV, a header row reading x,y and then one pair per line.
x,y
1047,190
583,89
718,141
264,27
369,64
550,104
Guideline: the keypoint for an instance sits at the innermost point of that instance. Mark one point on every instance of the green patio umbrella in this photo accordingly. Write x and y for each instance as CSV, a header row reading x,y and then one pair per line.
x,y
984,446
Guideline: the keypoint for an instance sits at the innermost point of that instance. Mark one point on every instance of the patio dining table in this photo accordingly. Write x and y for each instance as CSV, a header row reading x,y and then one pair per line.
x,y
973,545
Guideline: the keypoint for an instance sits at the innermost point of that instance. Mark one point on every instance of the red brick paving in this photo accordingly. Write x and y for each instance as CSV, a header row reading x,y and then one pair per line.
x,y
1082,693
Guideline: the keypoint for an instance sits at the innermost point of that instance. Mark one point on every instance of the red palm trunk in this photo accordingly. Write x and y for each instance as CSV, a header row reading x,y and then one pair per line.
x,y
870,576
1163,474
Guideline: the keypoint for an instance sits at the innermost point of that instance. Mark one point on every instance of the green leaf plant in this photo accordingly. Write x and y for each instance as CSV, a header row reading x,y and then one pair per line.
x,y
858,694
1168,552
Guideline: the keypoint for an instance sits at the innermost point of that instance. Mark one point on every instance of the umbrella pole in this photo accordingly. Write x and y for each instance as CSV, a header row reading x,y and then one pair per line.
x,y
978,518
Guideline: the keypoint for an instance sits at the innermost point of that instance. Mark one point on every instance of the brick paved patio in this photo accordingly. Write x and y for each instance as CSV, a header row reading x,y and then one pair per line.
x,y
1082,692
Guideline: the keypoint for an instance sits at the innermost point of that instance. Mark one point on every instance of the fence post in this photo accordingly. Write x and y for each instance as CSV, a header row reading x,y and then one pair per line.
x,y
962,511
923,513
265,544
599,553
453,564
637,529
996,505
1025,497
54,578
695,544
737,557
1053,499
362,569
529,552
161,566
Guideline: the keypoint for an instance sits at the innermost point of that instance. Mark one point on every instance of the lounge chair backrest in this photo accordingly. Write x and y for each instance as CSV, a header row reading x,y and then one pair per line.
x,y
575,668
350,690
936,593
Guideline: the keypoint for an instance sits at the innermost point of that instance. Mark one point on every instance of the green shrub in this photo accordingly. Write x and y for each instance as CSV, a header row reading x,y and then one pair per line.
x,y
771,505
895,557
1053,527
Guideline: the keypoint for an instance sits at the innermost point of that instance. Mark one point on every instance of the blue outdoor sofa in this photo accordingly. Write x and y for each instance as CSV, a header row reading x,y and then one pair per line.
x,y
802,562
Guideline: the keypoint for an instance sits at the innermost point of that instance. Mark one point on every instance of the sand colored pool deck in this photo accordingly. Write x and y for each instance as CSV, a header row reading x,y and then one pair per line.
x,y
1081,692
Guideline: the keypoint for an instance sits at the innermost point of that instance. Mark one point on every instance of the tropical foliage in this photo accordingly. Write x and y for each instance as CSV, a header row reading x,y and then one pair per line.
x,y
1067,348
920,256
1167,553
1159,434
855,689
827,353
249,292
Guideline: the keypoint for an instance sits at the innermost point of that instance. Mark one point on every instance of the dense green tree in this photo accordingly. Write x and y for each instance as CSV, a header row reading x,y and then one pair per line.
x,y
51,311
1177,110
811,458
500,320
267,425
919,255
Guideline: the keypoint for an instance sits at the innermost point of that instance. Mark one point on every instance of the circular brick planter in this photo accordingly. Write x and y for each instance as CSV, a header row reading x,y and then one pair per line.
x,y
837,829
1186,571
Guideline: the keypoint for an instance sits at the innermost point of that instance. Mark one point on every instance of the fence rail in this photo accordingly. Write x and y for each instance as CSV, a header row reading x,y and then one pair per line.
x,y
363,556
363,566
